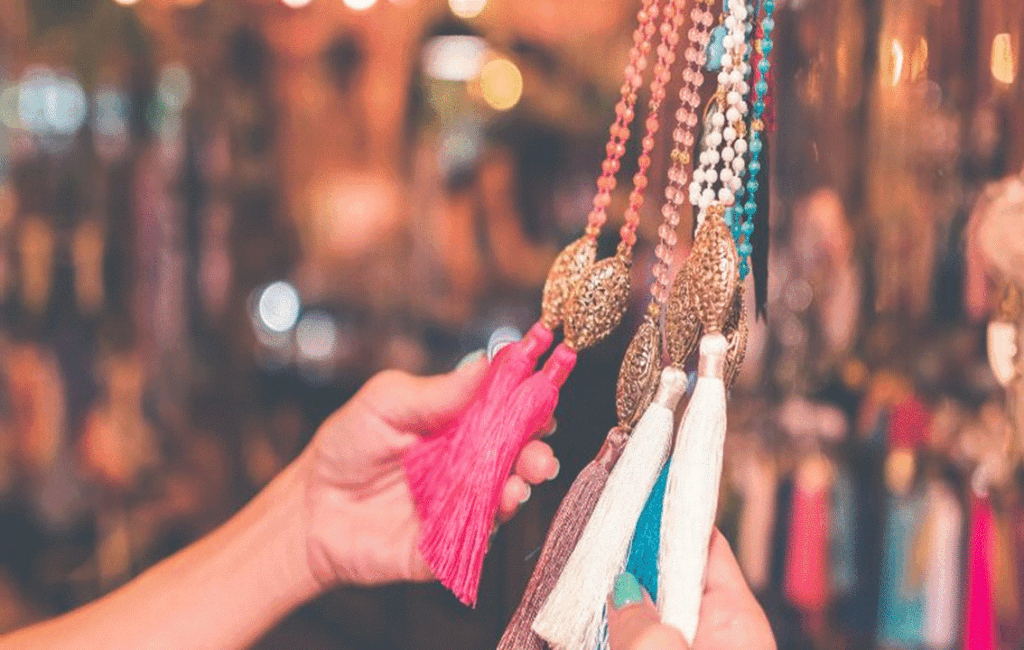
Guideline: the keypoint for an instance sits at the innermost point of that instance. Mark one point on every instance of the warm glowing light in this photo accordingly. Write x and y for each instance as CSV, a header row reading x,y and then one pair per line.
x,y
467,8
919,61
454,58
278,307
126,2
897,61
1002,59
501,84
295,4
359,5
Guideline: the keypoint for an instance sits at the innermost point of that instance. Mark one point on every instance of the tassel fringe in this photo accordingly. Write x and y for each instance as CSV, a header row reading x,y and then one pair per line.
x,y
433,464
572,617
691,495
455,535
566,529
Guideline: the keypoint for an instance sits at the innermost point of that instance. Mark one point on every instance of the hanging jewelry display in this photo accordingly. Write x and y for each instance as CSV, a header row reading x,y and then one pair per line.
x,y
645,548
638,380
456,495
695,469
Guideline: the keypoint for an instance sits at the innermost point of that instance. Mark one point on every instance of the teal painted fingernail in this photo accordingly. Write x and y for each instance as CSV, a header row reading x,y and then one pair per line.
x,y
627,591
469,358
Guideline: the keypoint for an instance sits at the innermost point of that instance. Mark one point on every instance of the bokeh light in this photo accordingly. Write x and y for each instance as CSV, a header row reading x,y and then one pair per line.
x,y
316,336
1002,59
896,61
66,105
501,84
359,5
175,86
110,112
467,8
278,307
454,58
296,4
45,103
126,2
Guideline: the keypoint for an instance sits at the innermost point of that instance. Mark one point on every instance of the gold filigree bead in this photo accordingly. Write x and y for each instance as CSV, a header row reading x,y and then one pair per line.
x,y
715,269
638,375
1011,303
736,331
566,272
595,307
682,325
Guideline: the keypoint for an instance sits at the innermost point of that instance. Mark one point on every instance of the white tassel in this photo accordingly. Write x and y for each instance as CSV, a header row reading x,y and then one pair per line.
x,y
572,616
691,495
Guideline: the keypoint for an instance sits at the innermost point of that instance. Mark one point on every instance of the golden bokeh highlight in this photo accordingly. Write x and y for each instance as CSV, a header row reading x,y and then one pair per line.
x,y
501,84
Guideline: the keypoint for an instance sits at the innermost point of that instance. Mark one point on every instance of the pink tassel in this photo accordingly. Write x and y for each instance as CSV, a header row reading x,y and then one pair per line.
x,y
980,621
456,532
434,463
566,529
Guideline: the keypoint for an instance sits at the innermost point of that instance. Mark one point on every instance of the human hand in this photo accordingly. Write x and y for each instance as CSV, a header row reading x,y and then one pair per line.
x,y
730,617
361,523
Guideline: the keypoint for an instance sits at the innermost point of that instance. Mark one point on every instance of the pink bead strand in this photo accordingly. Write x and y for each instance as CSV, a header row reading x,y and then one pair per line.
x,y
673,16
624,114
683,140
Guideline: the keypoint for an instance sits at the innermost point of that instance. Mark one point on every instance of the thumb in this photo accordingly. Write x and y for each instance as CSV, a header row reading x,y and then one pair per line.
x,y
425,403
633,621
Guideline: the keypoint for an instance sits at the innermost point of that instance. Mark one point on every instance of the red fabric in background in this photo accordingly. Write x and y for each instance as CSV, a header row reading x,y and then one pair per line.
x,y
980,619
1011,631
909,424
806,579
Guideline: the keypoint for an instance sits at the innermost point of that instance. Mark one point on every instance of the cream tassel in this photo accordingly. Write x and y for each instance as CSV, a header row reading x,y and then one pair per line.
x,y
572,616
691,496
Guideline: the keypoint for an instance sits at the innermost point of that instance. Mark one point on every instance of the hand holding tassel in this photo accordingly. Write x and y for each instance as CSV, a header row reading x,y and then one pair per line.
x,y
432,464
730,614
454,545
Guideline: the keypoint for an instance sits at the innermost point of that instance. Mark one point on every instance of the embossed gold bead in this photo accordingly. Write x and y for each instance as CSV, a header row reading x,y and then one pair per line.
x,y
715,269
736,331
595,307
1011,303
566,272
682,325
638,375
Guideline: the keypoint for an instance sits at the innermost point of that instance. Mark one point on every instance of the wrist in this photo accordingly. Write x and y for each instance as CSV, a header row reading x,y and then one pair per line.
x,y
284,522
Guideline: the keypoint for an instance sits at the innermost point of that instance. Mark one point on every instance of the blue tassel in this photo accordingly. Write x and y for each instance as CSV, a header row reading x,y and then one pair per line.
x,y
643,554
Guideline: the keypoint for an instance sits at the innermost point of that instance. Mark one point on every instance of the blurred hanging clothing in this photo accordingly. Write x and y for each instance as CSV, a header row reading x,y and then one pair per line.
x,y
943,562
979,618
806,575
901,606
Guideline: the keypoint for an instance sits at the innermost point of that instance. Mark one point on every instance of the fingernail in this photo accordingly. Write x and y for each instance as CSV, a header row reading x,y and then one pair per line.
x,y
469,358
526,495
554,473
500,338
627,591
